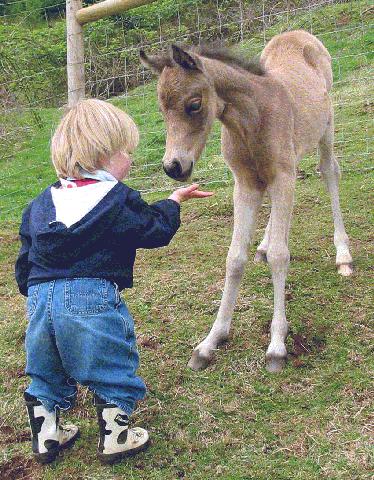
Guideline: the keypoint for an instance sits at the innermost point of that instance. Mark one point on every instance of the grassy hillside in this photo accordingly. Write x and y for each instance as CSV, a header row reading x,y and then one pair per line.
x,y
337,25
233,421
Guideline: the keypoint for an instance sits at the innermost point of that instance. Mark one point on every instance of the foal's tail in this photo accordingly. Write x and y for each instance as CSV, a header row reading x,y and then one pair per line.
x,y
317,56
321,61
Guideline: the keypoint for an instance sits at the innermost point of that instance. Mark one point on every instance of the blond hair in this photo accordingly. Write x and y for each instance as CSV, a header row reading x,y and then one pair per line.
x,y
88,135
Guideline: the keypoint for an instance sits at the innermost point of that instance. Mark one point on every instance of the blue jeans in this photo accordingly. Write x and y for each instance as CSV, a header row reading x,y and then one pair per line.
x,y
81,331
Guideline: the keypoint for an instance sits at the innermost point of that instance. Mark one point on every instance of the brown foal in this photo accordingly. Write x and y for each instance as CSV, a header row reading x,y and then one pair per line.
x,y
272,112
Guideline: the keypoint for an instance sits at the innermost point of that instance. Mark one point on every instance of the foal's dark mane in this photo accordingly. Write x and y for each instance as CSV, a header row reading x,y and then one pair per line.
x,y
227,56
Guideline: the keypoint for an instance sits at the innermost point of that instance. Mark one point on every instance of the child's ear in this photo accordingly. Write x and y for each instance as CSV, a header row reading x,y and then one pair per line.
x,y
156,63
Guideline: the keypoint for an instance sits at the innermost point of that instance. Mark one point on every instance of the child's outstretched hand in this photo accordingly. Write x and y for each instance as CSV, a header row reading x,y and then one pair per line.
x,y
186,193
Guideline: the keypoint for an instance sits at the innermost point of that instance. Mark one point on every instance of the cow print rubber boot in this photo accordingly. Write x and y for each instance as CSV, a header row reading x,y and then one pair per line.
x,y
117,440
48,437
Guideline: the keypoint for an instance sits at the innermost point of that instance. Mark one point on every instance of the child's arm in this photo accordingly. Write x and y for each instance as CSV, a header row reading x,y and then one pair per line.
x,y
151,225
157,223
22,267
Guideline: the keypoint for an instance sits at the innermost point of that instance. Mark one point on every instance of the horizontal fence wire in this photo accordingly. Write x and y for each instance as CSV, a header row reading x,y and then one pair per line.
x,y
114,72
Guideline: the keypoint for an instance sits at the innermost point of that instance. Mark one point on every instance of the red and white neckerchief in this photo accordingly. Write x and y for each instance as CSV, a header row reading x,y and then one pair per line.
x,y
77,183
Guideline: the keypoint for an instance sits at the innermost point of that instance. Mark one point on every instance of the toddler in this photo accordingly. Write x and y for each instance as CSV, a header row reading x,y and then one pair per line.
x,y
79,240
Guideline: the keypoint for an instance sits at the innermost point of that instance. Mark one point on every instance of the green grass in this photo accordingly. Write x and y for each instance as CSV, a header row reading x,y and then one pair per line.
x,y
233,421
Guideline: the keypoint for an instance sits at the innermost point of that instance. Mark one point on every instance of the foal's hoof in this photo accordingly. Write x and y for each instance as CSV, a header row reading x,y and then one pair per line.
x,y
275,364
260,257
198,361
276,357
345,269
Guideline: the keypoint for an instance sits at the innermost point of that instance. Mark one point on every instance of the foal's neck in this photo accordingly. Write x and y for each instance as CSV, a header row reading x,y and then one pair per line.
x,y
238,96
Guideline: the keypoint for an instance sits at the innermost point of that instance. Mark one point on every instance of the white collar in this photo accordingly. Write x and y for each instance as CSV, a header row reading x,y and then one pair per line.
x,y
101,175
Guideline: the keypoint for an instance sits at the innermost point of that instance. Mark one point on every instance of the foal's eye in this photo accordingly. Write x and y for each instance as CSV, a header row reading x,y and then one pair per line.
x,y
194,106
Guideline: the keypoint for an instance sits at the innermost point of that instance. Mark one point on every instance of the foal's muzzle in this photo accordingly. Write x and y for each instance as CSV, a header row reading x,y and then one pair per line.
x,y
175,170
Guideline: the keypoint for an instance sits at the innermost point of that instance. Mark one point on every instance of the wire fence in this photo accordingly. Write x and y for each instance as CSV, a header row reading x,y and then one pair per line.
x,y
113,70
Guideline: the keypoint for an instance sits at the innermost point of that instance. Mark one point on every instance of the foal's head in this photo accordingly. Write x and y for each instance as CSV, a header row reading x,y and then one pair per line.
x,y
188,102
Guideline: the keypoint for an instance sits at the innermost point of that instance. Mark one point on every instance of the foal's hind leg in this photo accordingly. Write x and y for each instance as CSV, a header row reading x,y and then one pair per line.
x,y
281,193
330,172
261,252
264,245
247,202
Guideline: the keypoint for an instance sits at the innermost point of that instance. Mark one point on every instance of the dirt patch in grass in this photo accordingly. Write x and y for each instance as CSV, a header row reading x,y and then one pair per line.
x,y
343,19
18,468
11,435
148,341
8,238
303,346
191,216
18,338
368,107
16,372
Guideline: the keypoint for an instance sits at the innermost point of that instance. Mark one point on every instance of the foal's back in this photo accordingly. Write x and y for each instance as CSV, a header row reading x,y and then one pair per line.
x,y
301,62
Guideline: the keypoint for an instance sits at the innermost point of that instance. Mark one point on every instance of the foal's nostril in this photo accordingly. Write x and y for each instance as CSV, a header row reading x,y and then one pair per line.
x,y
174,170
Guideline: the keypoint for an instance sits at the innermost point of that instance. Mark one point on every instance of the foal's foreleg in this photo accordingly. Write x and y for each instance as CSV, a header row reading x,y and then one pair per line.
x,y
278,256
246,205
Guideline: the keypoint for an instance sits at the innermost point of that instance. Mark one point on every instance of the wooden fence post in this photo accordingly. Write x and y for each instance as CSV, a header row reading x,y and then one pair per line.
x,y
106,8
75,53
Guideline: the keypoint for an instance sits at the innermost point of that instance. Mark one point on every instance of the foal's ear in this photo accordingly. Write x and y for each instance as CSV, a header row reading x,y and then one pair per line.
x,y
156,63
184,59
